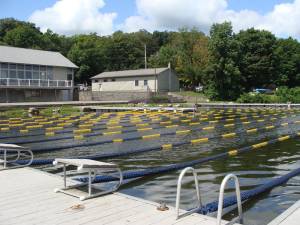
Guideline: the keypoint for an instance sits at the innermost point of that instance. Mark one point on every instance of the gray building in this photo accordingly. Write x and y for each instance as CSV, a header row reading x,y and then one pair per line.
x,y
35,75
141,80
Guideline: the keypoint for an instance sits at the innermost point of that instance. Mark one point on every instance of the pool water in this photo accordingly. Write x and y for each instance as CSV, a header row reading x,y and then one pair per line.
x,y
252,168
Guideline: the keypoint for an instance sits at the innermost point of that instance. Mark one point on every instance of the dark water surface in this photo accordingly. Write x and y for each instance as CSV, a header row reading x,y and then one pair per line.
x,y
253,168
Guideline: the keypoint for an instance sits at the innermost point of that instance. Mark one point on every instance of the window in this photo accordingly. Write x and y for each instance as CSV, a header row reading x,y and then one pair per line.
x,y
69,77
96,81
42,68
28,75
20,66
36,68
28,67
21,74
4,65
136,83
35,75
12,66
43,75
105,80
145,82
4,73
12,74
113,79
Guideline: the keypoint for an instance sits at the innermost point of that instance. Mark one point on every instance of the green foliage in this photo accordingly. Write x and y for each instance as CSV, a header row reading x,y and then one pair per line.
x,y
289,94
88,53
287,53
258,98
13,113
187,51
24,36
227,64
64,110
282,95
223,77
257,59
159,99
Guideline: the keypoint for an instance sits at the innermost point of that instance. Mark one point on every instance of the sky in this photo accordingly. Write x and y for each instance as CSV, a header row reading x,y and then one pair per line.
x,y
106,16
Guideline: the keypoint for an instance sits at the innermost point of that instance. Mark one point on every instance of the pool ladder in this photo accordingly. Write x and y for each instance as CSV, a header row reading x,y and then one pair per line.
x,y
238,219
10,154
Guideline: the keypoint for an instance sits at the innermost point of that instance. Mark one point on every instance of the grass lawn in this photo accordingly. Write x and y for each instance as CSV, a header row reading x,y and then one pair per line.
x,y
23,113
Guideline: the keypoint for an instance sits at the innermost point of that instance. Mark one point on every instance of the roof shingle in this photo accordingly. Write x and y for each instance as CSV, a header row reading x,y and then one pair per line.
x,y
10,54
130,73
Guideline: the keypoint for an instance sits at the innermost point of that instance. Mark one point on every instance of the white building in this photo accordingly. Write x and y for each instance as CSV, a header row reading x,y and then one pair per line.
x,y
141,80
35,75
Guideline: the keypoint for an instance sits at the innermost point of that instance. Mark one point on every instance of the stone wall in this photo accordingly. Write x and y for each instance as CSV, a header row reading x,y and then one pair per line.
x,y
113,96
34,95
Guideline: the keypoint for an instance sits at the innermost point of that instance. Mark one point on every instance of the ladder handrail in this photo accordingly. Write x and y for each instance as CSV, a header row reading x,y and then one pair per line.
x,y
179,183
9,153
238,197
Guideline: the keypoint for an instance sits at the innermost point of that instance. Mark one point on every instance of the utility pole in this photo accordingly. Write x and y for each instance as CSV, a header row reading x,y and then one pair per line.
x,y
145,56
170,80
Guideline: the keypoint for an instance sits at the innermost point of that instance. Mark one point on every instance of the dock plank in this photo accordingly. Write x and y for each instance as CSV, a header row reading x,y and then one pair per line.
x,y
27,198
289,217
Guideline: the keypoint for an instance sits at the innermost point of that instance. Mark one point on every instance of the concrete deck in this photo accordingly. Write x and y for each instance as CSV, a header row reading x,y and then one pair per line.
x,y
27,198
45,104
289,217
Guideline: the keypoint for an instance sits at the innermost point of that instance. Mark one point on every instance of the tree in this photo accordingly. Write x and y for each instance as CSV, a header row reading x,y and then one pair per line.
x,y
257,59
8,24
54,42
188,54
223,77
24,36
124,52
88,53
287,53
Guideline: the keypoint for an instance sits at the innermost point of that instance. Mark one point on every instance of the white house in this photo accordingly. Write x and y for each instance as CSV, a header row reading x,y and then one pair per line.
x,y
34,75
141,80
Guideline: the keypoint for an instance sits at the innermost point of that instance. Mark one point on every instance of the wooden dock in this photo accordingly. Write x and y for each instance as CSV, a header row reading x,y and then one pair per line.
x,y
122,109
289,217
27,198
5,106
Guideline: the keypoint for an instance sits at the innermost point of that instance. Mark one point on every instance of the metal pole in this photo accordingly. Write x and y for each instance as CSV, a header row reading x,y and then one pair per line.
x,y
155,81
65,176
90,183
169,66
6,93
145,56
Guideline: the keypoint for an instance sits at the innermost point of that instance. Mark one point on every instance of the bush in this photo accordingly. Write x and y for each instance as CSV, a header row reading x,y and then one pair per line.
x,y
258,98
289,95
13,113
159,99
282,95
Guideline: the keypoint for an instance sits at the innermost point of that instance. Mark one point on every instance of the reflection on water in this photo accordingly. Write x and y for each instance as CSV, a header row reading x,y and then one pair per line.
x,y
253,168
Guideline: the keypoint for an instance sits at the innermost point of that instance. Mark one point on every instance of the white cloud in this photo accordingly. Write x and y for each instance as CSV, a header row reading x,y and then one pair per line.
x,y
85,16
75,16
174,14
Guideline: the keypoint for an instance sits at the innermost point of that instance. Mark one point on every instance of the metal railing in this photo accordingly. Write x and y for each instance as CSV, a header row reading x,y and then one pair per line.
x,y
183,172
239,218
7,82
10,154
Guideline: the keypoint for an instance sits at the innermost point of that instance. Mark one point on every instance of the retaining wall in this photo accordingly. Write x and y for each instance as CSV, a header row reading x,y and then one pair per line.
x,y
113,96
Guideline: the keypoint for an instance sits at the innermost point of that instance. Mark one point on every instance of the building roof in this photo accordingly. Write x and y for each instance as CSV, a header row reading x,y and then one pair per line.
x,y
131,73
31,56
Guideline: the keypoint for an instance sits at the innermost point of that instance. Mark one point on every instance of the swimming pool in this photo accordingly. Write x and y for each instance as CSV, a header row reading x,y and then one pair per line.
x,y
129,132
